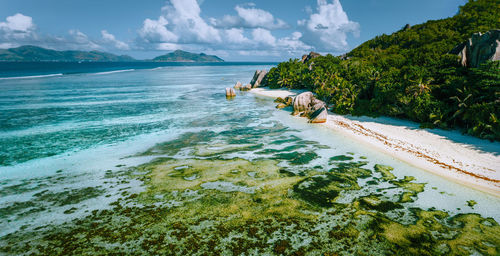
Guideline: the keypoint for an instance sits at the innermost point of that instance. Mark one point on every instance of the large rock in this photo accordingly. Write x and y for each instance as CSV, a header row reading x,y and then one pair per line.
x,y
310,56
479,49
307,105
301,103
318,116
230,93
258,77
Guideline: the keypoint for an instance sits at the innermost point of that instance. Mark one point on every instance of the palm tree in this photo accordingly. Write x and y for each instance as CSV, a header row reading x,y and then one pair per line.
x,y
462,106
420,86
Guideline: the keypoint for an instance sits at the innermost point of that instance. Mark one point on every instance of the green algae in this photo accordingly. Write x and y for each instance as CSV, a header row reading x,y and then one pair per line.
x,y
281,217
374,202
185,140
471,203
292,210
386,171
341,158
407,184
296,158
72,196
323,189
217,149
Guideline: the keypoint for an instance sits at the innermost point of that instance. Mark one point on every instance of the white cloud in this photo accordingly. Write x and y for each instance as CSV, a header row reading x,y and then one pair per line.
x,y
254,17
110,39
293,44
20,30
155,31
17,26
186,22
327,29
18,23
179,24
264,36
249,17
235,35
80,41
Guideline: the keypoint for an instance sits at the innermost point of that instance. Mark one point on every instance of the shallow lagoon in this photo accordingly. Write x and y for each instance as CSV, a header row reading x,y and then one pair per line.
x,y
157,161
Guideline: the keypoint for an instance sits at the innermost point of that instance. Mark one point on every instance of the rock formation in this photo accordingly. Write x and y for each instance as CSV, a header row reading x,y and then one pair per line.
x,y
479,49
258,77
301,103
283,103
246,87
238,85
319,116
230,93
310,56
307,105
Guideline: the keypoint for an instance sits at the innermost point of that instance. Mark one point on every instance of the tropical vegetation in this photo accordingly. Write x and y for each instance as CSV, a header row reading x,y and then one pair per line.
x,y
410,74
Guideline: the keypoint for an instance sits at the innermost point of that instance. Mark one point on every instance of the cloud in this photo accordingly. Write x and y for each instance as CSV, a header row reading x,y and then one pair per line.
x,y
327,29
79,41
111,40
263,36
20,29
181,26
249,17
235,35
186,22
17,27
155,31
293,44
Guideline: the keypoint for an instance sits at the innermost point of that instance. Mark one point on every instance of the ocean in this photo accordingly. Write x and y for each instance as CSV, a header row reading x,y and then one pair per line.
x,y
84,145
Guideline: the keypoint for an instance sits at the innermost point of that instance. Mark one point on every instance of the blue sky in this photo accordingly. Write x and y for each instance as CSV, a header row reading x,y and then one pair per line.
x,y
260,30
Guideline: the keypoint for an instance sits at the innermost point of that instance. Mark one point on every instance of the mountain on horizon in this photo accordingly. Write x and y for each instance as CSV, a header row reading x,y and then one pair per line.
x,y
30,53
183,56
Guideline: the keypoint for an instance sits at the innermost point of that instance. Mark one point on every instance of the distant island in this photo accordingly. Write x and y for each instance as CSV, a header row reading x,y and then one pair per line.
x,y
30,53
182,56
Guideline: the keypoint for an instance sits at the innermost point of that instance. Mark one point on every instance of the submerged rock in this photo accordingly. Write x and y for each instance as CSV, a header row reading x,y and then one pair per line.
x,y
281,105
238,85
246,87
479,49
230,92
279,100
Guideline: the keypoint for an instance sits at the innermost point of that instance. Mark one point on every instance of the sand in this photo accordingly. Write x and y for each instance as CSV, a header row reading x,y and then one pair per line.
x,y
464,159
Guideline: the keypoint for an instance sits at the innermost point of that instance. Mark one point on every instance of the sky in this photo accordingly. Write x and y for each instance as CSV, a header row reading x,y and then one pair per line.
x,y
235,30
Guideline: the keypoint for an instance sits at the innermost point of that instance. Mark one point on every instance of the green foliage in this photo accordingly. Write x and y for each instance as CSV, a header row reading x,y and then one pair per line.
x,y
410,74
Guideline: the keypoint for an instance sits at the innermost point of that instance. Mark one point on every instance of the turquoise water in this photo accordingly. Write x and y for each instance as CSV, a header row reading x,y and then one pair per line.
x,y
61,137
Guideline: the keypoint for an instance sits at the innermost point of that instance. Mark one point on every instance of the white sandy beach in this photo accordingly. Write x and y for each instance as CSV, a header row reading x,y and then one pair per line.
x,y
464,159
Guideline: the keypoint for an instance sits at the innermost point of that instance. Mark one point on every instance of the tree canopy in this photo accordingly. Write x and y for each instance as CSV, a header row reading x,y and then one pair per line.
x,y
410,74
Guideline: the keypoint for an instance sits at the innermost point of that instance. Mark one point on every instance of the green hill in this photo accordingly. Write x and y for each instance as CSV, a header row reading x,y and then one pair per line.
x,y
34,53
182,56
410,74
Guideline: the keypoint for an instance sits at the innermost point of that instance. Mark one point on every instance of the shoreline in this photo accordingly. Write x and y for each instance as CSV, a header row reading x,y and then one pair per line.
x,y
464,159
